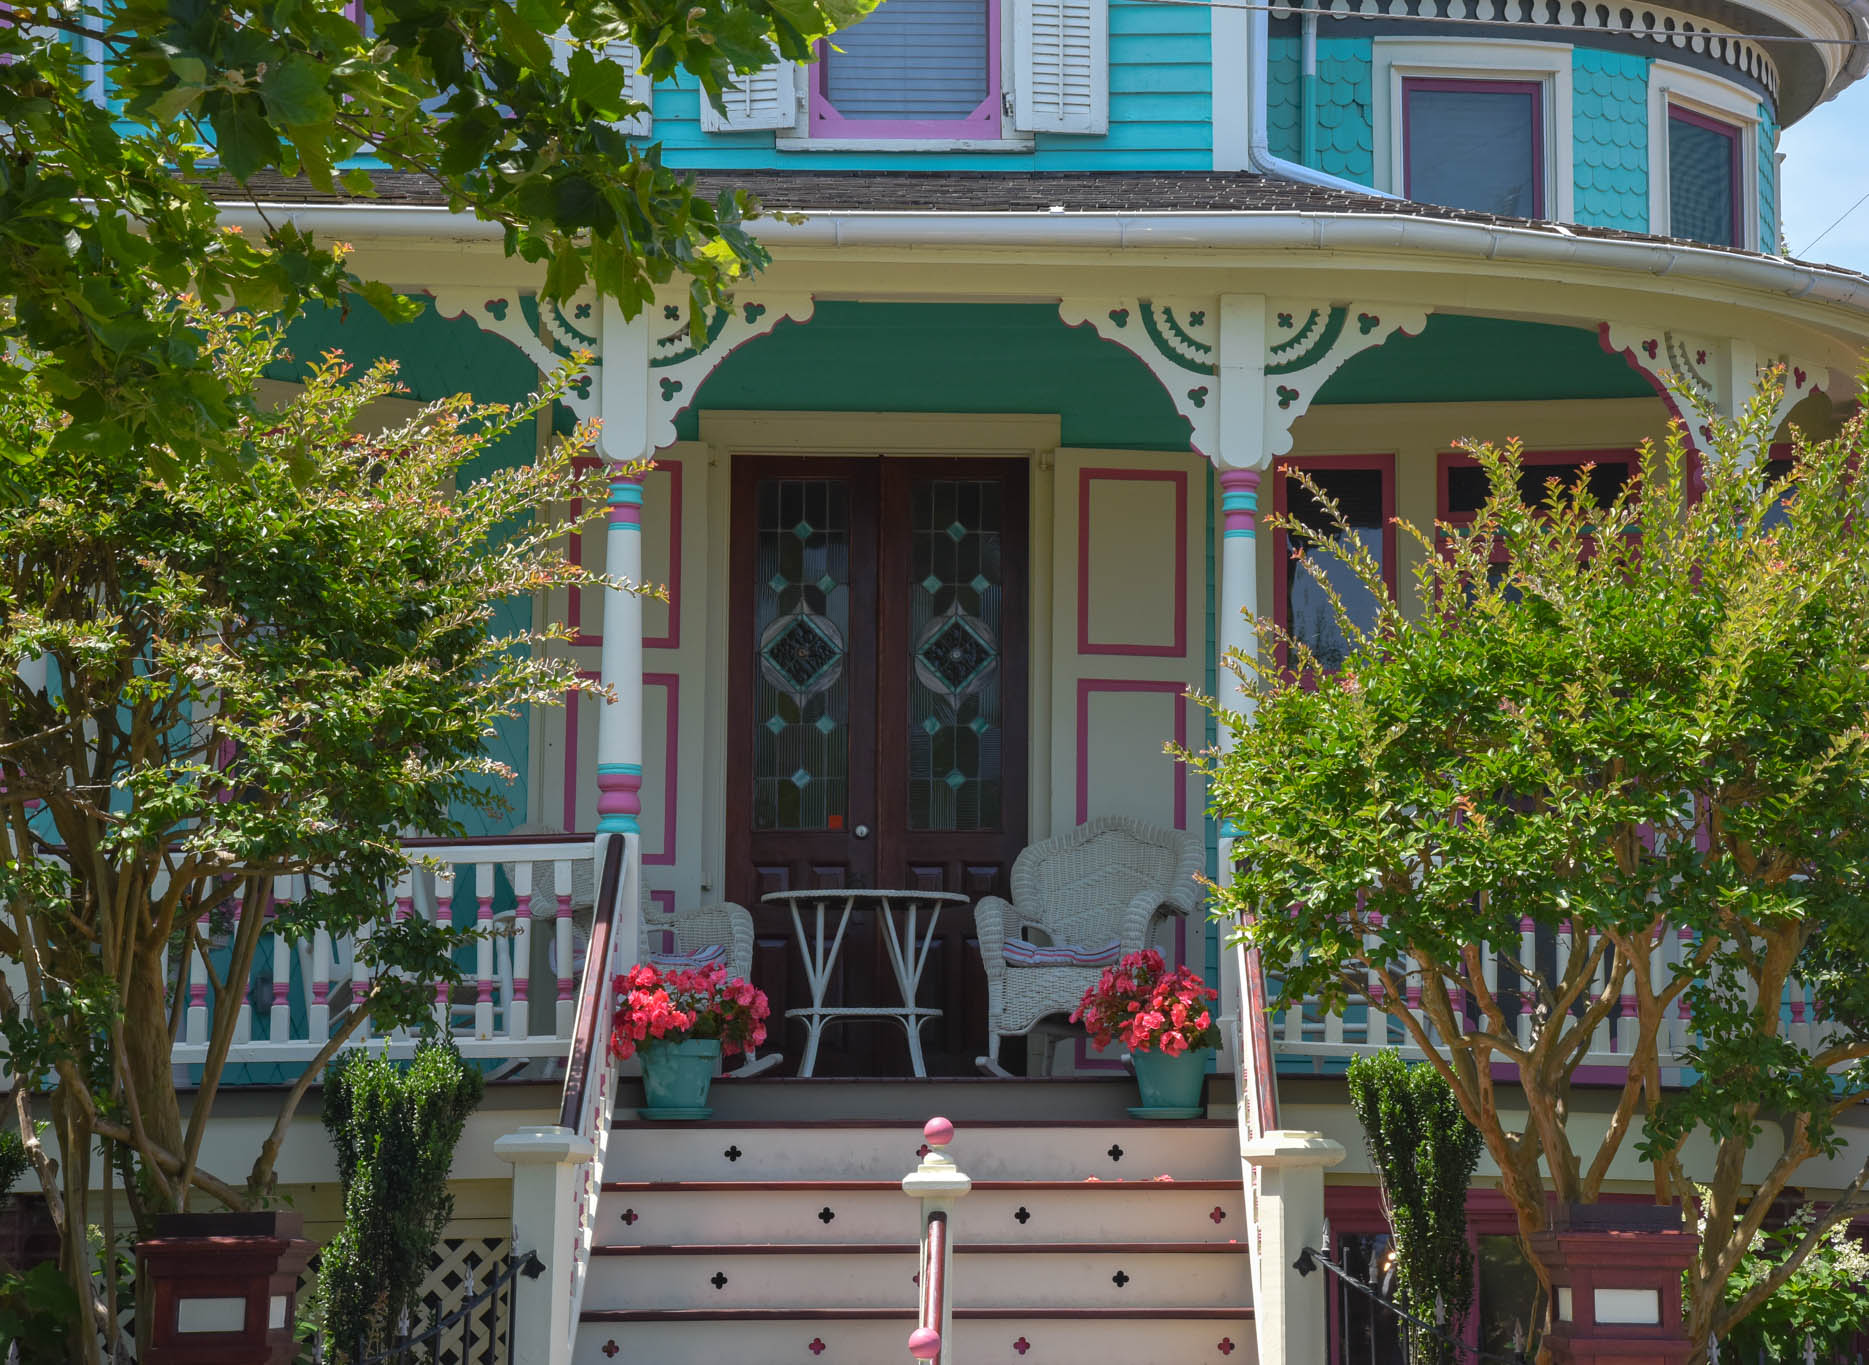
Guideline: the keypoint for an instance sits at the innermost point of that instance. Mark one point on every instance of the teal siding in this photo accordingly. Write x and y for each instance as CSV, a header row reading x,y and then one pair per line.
x,y
1284,103
1768,181
1609,117
1346,140
1161,111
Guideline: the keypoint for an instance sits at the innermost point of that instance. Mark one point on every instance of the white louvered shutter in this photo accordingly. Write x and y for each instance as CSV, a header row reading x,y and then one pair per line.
x,y
636,85
1061,51
768,98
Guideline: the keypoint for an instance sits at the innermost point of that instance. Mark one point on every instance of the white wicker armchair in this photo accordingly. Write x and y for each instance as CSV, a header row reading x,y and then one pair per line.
x,y
1108,879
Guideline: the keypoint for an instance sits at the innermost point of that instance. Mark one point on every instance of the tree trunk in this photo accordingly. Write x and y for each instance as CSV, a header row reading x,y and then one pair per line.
x,y
74,1251
150,1073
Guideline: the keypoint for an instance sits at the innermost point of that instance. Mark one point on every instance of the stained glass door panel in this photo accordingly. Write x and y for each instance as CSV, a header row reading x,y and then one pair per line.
x,y
877,726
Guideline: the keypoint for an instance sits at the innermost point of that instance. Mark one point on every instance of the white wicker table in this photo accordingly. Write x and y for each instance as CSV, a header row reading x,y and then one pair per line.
x,y
907,943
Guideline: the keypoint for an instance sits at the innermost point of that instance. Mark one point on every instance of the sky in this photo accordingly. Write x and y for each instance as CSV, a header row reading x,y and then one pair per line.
x,y
1826,170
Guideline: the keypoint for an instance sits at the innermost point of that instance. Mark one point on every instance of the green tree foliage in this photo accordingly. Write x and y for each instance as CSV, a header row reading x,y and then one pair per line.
x,y
108,209
1648,724
1822,1302
394,1129
1425,1151
207,684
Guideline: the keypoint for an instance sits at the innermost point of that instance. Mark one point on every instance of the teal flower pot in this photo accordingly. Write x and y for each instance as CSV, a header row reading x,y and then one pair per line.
x,y
676,1076
1172,1087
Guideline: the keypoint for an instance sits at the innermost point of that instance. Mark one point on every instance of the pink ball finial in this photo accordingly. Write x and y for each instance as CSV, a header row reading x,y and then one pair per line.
x,y
925,1344
938,1132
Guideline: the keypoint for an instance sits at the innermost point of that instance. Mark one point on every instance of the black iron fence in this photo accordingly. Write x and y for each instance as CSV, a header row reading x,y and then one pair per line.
x,y
1369,1328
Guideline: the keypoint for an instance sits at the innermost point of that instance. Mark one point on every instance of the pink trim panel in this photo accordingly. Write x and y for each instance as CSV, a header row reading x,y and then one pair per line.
x,y
982,123
670,683
1088,686
1176,649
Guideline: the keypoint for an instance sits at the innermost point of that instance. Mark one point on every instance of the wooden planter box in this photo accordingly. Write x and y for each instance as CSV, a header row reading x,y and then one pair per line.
x,y
225,1287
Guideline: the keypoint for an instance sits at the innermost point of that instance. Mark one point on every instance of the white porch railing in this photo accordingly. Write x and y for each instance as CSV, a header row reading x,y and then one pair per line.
x,y
489,1015
1361,1028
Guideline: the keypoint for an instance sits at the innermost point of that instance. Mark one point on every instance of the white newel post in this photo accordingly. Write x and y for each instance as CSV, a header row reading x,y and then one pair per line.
x,y
1289,1309
937,1183
545,1164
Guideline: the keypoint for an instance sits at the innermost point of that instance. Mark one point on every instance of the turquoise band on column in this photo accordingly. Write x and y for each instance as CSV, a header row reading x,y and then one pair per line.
x,y
1239,500
625,492
618,824
1229,830
1238,533
635,768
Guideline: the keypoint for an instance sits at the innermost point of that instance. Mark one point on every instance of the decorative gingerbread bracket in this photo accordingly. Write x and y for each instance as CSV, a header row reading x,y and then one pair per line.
x,y
1305,344
676,364
679,362
1688,370
1299,347
548,333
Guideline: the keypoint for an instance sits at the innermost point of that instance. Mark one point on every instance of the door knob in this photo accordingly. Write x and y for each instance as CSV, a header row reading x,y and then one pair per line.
x,y
861,831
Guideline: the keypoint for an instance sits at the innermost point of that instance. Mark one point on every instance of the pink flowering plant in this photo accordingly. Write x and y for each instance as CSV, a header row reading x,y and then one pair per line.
x,y
654,1005
1148,1008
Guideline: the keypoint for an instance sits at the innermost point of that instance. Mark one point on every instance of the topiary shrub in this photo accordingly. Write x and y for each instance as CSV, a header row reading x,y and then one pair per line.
x,y
1425,1151
394,1127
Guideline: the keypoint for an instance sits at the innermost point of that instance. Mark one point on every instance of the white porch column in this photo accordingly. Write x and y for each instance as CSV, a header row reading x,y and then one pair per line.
x,y
1242,451
1289,1309
546,1203
623,440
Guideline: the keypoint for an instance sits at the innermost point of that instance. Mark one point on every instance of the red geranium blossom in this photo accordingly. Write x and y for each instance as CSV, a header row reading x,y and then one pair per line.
x,y
1148,1008
655,1005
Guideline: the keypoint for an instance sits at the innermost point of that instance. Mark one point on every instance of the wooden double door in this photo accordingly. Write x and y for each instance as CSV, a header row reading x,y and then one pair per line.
x,y
878,721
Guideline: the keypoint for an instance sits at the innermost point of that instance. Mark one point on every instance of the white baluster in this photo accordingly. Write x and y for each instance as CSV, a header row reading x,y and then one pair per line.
x,y
318,1012
1658,978
519,977
198,988
444,918
360,974
1527,967
561,929
480,886
281,1017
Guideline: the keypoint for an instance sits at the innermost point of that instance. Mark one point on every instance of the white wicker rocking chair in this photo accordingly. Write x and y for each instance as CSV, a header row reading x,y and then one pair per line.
x,y
671,932
1108,879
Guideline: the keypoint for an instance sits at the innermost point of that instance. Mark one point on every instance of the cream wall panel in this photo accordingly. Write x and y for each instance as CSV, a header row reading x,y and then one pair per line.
x,y
1128,558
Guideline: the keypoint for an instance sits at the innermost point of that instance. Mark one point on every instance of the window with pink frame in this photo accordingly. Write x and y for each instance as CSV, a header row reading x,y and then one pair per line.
x,y
914,69
1474,144
1704,199
1363,487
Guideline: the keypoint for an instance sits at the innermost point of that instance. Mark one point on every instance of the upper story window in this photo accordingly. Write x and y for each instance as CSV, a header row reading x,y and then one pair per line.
x,y
1704,200
1363,487
1481,124
1704,158
936,75
912,69
1474,144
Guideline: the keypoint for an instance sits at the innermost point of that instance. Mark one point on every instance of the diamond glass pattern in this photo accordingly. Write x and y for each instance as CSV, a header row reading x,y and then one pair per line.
x,y
955,586
801,619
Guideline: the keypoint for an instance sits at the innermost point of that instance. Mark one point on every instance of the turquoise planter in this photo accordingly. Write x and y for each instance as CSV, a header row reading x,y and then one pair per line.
x,y
675,1078
1172,1087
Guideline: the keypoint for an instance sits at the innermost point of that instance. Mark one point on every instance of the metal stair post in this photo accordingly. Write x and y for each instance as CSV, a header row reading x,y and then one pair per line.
x,y
937,1183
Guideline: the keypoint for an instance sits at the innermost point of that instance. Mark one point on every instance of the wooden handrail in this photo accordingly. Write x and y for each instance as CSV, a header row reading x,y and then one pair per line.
x,y
934,1293
584,1042
1256,1008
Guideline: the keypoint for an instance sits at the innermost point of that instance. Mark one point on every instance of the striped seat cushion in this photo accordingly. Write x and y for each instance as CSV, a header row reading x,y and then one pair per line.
x,y
712,955
1019,953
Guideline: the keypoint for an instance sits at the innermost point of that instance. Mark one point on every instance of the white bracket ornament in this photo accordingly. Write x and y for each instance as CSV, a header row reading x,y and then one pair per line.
x,y
1299,347
1688,370
680,362
676,364
548,333
1305,344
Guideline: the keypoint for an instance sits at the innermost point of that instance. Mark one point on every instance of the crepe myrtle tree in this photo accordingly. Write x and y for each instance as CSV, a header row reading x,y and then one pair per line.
x,y
1645,727
123,122
206,684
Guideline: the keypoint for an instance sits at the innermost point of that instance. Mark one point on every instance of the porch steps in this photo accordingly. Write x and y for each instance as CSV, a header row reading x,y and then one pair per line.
x,y
759,1240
